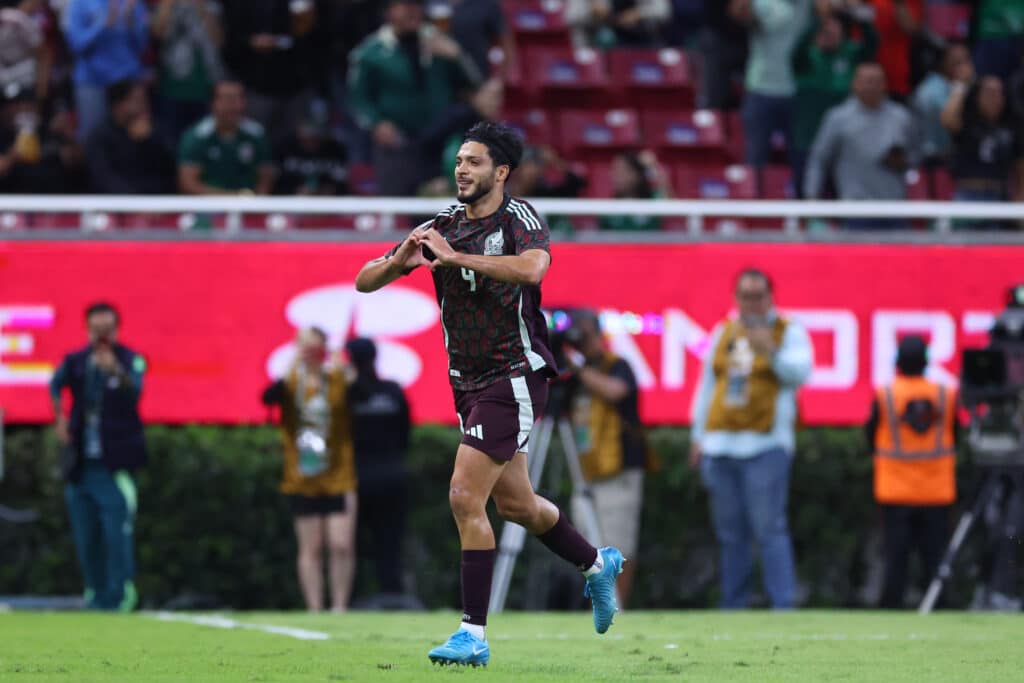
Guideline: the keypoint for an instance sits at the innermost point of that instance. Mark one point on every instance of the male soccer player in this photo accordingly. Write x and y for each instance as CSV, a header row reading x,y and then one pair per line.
x,y
488,256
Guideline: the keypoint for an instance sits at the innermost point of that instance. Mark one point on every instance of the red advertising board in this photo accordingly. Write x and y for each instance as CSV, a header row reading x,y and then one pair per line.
x,y
215,320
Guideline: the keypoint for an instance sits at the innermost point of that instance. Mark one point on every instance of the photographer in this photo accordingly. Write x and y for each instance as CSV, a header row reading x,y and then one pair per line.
x,y
103,444
912,433
613,451
743,438
318,474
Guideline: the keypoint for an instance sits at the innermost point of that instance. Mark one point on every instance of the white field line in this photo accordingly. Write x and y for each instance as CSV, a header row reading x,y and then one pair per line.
x,y
217,621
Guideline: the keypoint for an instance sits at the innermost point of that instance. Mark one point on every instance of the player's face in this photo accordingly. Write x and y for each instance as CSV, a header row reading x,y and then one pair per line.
x,y
475,174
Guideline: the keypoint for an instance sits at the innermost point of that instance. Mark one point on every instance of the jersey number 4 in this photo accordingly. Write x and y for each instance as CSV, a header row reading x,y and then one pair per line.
x,y
470,277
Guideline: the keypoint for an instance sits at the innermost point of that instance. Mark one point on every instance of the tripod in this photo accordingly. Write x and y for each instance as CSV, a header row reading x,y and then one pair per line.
x,y
513,536
986,495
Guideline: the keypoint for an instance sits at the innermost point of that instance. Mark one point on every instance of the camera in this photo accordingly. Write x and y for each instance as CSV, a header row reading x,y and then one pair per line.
x,y
564,330
992,389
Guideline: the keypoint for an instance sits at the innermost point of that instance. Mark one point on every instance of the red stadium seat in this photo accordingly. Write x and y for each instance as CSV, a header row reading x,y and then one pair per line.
x,y
599,180
777,183
943,186
652,78
917,185
949,20
537,21
563,77
598,135
362,180
687,134
717,182
535,125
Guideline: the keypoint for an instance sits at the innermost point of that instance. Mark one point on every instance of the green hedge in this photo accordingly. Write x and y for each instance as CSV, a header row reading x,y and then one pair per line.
x,y
212,524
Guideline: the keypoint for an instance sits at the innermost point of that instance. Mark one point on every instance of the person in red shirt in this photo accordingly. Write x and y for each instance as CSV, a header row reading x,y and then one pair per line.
x,y
897,21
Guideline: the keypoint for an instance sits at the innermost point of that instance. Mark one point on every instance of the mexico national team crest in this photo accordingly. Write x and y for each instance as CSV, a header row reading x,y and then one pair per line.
x,y
494,245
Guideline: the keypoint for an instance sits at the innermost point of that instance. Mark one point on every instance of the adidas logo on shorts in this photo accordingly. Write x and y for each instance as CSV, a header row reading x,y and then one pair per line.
x,y
476,432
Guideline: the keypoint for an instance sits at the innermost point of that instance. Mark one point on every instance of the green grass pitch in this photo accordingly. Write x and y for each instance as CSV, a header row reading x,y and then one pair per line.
x,y
644,646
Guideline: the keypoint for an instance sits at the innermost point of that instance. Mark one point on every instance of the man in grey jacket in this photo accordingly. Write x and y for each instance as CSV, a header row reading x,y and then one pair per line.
x,y
866,144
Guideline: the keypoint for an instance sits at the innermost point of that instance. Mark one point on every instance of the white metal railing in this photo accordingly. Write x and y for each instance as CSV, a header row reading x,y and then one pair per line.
x,y
695,212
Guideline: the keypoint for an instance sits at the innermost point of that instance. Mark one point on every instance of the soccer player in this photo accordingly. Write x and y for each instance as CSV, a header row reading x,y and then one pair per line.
x,y
488,256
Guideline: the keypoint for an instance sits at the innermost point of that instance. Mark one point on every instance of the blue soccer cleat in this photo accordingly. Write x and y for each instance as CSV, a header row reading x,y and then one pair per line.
x,y
600,589
462,648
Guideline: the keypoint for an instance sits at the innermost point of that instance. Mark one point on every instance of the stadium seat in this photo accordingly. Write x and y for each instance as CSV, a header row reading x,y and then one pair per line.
x,y
715,182
598,135
918,182
535,125
362,179
652,78
949,20
777,182
564,77
696,135
943,186
537,22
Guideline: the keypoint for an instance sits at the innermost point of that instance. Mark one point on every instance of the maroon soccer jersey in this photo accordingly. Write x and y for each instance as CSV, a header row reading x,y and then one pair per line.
x,y
492,330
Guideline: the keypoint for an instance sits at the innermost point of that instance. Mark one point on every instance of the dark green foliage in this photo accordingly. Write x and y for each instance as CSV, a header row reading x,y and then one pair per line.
x,y
212,523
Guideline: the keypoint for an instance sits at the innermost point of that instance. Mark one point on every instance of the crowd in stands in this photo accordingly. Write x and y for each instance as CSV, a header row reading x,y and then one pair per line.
x,y
854,99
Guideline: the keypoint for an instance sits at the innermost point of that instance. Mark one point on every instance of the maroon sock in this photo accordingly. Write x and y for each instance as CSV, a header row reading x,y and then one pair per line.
x,y
563,540
477,570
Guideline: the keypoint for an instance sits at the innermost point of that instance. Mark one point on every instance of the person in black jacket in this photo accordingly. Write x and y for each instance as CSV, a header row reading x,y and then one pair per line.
x,y
380,432
104,444
124,154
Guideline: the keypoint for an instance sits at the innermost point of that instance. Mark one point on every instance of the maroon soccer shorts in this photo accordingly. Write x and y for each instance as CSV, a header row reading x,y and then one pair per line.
x,y
498,419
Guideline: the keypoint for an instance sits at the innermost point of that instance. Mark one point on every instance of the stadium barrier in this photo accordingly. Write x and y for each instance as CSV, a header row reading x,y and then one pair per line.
x,y
289,215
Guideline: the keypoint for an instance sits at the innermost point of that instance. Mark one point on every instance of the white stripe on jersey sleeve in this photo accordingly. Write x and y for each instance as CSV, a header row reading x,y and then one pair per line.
x,y
524,214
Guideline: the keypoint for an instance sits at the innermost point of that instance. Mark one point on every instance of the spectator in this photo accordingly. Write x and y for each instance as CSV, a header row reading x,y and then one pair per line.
x,y
310,161
605,413
723,52
225,153
999,32
930,99
912,434
617,23
107,39
318,473
988,148
34,157
104,444
190,38
866,144
479,25
742,439
543,173
636,176
443,138
276,48
380,431
824,64
771,85
124,153
24,58
400,78
349,22
898,22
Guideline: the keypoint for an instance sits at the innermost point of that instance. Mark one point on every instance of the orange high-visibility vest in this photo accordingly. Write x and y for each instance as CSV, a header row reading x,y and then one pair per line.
x,y
915,467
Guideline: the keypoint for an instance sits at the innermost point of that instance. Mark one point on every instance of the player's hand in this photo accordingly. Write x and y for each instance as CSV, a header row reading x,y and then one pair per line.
x,y
695,455
432,239
410,254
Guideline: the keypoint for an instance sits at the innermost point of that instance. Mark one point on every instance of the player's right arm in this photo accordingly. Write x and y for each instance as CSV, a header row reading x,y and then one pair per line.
x,y
382,271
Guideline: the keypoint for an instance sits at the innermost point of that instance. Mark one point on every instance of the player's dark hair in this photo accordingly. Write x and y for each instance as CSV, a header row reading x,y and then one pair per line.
x,y
102,307
756,273
118,92
502,142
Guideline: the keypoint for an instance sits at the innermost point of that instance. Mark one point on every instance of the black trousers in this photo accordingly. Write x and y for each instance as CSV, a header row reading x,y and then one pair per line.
x,y
381,528
925,528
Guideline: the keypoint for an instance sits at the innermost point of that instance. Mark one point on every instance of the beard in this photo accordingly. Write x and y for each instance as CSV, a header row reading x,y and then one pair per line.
x,y
482,189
